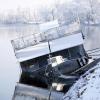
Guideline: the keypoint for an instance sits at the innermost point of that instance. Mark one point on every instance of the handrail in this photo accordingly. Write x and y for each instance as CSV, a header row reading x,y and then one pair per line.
x,y
20,43
37,38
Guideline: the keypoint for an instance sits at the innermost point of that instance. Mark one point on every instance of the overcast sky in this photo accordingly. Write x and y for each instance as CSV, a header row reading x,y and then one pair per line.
x,y
6,5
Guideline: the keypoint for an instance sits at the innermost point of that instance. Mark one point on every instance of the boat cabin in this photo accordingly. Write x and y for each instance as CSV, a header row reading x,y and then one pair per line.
x,y
44,56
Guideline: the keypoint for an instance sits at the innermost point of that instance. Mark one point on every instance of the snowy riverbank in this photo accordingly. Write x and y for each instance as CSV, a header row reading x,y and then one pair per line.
x,y
87,87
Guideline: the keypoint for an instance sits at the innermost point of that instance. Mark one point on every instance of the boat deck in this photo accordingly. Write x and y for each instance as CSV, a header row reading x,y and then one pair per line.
x,y
42,48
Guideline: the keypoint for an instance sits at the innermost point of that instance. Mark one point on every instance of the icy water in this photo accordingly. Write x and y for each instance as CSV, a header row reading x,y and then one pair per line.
x,y
92,39
9,67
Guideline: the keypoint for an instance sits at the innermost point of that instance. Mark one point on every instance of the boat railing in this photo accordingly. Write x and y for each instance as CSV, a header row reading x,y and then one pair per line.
x,y
34,39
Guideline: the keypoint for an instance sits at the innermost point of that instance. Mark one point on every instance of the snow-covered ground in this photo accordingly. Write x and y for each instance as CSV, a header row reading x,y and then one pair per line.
x,y
87,87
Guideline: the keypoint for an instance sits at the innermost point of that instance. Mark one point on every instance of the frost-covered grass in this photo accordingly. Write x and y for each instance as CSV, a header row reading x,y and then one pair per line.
x,y
87,87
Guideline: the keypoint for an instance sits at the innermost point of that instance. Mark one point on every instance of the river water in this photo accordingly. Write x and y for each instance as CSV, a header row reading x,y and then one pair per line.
x,y
9,67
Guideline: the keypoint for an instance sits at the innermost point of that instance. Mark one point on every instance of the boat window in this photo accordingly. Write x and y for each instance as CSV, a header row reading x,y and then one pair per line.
x,y
53,60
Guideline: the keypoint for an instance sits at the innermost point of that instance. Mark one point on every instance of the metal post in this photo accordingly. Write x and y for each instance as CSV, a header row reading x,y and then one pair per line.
x,y
49,51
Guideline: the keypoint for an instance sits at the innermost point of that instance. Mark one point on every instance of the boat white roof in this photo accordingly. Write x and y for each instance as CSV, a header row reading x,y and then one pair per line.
x,y
43,49
48,25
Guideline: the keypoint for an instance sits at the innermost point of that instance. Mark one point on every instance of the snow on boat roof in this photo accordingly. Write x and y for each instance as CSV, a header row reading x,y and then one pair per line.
x,y
43,49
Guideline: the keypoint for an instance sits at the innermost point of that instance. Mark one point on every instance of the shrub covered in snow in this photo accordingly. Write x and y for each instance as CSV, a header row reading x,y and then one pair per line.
x,y
87,87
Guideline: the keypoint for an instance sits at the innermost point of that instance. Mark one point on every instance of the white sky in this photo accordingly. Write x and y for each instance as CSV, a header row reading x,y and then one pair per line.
x,y
6,5
13,4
